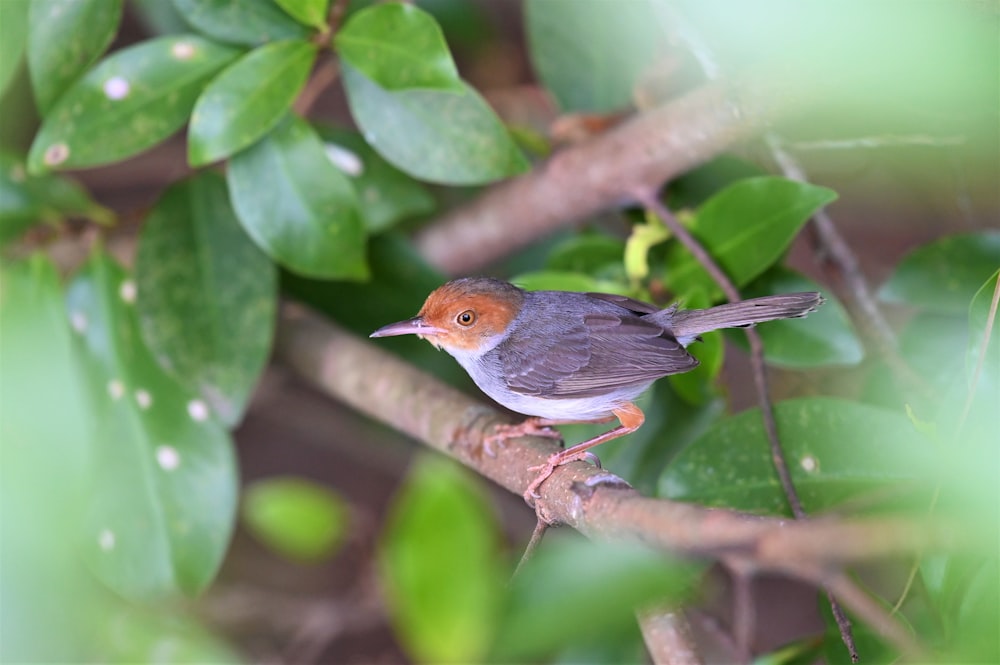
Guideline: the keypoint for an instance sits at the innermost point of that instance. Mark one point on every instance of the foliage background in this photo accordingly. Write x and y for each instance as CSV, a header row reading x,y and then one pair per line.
x,y
113,378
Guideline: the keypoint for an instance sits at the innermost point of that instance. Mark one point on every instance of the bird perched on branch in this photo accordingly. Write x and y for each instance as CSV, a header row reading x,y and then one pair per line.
x,y
563,357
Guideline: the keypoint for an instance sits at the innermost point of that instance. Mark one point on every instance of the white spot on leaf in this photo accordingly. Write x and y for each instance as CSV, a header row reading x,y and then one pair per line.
x,y
143,399
198,410
79,322
127,291
168,458
106,540
344,159
116,88
116,389
182,50
56,154
809,463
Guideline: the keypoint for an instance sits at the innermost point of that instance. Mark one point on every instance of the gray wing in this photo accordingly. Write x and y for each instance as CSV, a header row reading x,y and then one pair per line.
x,y
601,351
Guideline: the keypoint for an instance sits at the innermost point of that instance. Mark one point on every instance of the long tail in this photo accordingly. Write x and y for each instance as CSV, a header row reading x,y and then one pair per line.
x,y
692,322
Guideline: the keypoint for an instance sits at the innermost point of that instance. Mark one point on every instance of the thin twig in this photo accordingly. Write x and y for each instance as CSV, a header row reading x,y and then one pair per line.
x,y
875,616
668,638
326,73
541,526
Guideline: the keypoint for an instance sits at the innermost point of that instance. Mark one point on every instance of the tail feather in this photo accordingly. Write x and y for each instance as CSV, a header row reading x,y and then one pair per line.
x,y
693,322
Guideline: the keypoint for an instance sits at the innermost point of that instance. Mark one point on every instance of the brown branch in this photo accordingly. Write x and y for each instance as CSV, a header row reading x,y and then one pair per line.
x,y
602,173
388,389
668,638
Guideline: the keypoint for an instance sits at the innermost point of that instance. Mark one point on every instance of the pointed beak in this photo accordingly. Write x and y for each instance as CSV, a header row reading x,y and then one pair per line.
x,y
414,326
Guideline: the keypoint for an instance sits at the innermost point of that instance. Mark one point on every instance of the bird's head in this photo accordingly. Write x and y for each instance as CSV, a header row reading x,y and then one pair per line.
x,y
464,316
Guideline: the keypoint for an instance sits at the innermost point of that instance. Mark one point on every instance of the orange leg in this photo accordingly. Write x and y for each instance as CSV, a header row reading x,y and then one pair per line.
x,y
630,418
533,426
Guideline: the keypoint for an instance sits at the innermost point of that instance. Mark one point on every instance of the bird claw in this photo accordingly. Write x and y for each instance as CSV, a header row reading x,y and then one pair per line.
x,y
529,427
531,495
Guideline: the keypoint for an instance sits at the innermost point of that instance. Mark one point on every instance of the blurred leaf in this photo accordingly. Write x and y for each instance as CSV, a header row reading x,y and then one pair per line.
x,y
643,238
13,34
138,635
27,200
871,646
398,47
159,17
440,136
801,652
387,195
698,386
297,518
589,54
556,280
835,449
163,497
440,566
577,591
979,321
825,337
244,22
746,228
308,12
64,38
297,206
247,100
207,295
46,612
130,101
587,252
944,275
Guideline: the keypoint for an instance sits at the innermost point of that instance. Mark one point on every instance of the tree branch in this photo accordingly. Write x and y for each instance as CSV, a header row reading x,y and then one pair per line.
x,y
643,152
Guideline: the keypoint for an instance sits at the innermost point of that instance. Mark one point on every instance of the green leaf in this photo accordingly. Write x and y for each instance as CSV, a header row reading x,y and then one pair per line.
x,y
295,517
746,228
247,100
444,137
207,295
398,47
640,241
590,54
825,337
979,321
244,22
13,33
387,195
579,592
556,280
26,200
593,253
137,634
440,566
835,449
163,498
944,275
307,12
129,102
697,387
297,206
64,38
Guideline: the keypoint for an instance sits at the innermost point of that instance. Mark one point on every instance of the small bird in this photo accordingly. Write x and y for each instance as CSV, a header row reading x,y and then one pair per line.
x,y
562,357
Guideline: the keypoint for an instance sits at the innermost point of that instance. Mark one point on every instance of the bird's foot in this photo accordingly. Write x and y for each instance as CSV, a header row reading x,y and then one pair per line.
x,y
530,427
531,495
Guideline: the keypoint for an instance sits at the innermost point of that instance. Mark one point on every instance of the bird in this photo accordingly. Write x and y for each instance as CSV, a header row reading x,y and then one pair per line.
x,y
565,357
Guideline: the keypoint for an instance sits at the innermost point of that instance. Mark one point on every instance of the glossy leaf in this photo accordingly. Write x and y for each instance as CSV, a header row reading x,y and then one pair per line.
x,y
440,136
297,206
247,100
835,449
589,54
386,194
130,101
746,228
297,518
825,337
163,497
307,12
245,22
207,295
64,38
439,565
13,33
26,200
398,46
599,586
944,275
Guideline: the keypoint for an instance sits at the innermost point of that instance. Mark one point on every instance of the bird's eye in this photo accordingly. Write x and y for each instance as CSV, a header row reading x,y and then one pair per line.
x,y
466,318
